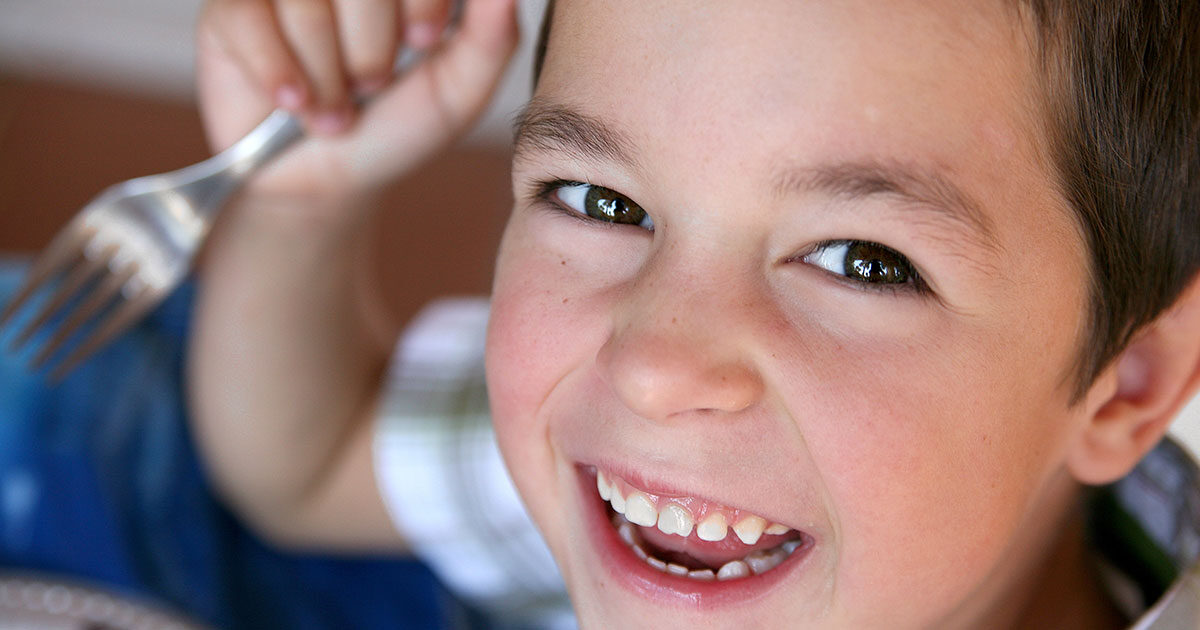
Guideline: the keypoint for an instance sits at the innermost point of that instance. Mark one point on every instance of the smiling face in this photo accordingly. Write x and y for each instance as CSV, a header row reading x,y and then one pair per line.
x,y
797,265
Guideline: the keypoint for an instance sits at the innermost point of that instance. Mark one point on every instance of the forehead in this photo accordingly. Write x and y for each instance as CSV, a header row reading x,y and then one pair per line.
x,y
790,42
784,80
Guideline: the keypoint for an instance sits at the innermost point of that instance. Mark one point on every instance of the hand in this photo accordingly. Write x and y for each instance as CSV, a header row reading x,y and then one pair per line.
x,y
314,57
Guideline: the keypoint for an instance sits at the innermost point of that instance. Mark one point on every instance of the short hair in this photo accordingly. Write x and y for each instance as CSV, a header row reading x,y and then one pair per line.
x,y
1122,103
1121,100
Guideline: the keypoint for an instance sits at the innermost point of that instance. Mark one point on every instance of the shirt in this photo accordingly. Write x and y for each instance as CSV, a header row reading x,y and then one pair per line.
x,y
1145,530
446,487
443,480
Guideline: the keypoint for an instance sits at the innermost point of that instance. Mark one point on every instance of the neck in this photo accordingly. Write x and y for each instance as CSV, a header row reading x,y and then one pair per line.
x,y
1067,593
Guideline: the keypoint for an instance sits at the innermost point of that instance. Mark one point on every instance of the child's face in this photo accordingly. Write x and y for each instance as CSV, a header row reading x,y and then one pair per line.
x,y
910,433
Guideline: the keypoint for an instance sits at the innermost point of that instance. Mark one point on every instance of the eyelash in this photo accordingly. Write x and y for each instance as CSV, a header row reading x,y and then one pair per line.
x,y
545,192
914,283
548,193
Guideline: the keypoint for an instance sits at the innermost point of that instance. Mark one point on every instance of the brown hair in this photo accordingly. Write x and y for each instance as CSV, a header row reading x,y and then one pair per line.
x,y
1122,101
1123,105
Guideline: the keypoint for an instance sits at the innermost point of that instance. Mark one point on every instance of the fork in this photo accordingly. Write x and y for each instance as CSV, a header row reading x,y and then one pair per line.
x,y
132,245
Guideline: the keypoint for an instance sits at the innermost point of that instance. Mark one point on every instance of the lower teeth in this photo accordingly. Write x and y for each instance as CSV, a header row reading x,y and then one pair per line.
x,y
755,563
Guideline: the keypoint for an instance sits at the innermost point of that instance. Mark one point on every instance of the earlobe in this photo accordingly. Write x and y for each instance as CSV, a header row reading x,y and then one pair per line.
x,y
1131,405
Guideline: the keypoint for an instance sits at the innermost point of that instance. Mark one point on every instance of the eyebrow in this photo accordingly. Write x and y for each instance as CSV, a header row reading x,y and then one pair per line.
x,y
922,190
542,126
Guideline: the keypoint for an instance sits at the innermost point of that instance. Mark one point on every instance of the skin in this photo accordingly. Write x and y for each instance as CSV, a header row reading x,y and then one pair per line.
x,y
922,440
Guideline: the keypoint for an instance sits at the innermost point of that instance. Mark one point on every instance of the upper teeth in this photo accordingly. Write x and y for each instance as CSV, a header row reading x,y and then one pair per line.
x,y
713,527
639,510
750,529
674,518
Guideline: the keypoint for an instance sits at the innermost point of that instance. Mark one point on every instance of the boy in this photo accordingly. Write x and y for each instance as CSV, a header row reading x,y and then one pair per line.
x,y
807,314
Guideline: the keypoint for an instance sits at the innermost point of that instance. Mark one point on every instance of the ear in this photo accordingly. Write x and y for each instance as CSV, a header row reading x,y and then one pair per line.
x,y
1132,403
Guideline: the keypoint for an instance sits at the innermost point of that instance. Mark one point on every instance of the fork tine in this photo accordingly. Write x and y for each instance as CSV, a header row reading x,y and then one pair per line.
x,y
84,311
63,249
116,322
80,274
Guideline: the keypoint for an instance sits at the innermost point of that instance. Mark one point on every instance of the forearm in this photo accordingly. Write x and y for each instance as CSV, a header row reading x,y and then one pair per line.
x,y
287,350
287,353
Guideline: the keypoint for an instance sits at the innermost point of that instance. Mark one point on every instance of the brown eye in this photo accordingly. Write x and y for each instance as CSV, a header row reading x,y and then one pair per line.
x,y
876,264
868,263
603,204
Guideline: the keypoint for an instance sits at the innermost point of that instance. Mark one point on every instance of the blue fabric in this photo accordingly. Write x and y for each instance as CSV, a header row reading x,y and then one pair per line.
x,y
99,481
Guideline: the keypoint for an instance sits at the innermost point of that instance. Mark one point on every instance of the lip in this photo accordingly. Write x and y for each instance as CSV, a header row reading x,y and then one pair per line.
x,y
661,588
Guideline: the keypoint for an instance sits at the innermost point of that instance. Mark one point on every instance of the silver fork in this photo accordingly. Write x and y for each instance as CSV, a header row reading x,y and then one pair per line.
x,y
134,243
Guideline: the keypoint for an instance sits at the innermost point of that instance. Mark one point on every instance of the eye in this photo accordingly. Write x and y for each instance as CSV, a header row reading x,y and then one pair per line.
x,y
603,204
865,262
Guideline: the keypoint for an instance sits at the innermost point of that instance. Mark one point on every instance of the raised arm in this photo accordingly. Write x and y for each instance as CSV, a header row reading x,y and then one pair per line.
x,y
289,340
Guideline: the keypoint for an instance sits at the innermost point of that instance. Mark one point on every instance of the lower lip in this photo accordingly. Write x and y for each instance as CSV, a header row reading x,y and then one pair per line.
x,y
663,588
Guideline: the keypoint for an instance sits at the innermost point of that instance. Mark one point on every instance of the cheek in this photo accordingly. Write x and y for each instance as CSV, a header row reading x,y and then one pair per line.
x,y
920,445
551,311
540,330
544,325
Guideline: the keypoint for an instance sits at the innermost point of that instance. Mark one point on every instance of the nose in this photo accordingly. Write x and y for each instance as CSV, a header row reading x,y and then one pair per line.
x,y
676,351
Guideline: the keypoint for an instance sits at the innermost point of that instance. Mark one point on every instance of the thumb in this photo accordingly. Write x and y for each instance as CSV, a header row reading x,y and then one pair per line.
x,y
440,98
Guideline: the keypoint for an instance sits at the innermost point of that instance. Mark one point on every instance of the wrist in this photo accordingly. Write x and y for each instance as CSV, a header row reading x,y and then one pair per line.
x,y
316,218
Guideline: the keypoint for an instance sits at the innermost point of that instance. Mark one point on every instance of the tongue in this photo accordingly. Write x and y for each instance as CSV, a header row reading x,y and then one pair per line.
x,y
711,554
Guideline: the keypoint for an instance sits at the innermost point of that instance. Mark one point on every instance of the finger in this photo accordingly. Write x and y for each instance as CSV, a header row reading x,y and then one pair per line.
x,y
369,32
311,30
247,32
424,21
466,72
437,101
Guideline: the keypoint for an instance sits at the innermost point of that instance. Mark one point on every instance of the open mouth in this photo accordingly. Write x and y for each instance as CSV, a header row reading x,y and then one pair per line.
x,y
688,563
693,544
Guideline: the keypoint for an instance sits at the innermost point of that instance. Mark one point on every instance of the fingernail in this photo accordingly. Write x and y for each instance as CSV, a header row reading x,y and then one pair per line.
x,y
421,35
290,97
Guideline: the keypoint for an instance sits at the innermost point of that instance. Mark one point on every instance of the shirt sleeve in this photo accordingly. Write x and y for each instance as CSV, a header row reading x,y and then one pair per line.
x,y
444,482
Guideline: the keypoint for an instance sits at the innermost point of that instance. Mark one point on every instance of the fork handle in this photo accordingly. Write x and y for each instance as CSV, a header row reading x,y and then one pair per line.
x,y
212,181
274,134
209,183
